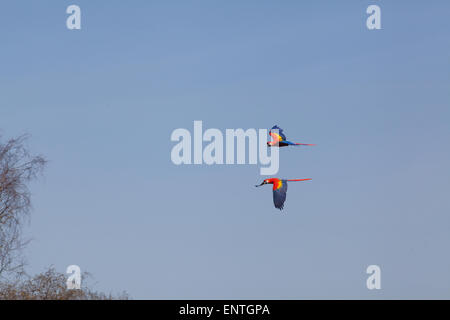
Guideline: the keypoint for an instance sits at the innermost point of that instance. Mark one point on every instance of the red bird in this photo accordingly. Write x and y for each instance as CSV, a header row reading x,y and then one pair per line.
x,y
279,190
279,139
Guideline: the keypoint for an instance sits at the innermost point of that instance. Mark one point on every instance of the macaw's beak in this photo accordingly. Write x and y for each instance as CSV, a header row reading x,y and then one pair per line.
x,y
262,183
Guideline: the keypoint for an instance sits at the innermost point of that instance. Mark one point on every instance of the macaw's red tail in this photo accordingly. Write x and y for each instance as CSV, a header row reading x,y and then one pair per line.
x,y
299,179
304,144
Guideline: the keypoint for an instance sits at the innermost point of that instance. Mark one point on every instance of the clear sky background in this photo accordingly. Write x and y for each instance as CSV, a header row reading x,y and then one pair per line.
x,y
102,102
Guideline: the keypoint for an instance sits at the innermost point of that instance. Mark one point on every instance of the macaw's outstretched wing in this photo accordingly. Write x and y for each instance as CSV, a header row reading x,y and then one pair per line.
x,y
277,137
279,194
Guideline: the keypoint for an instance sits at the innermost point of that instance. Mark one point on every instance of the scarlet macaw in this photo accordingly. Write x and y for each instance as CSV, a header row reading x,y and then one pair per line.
x,y
279,139
279,190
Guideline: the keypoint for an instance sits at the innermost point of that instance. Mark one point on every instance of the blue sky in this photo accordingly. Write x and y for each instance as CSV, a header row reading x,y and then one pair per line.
x,y
102,102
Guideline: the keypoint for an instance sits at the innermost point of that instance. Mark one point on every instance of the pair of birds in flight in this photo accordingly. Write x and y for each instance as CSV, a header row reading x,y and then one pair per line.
x,y
280,185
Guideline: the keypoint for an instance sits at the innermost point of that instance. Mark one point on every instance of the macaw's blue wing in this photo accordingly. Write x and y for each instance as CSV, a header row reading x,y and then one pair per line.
x,y
277,137
279,194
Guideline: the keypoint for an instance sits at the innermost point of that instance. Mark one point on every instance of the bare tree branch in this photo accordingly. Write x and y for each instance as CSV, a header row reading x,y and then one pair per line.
x,y
17,168
51,285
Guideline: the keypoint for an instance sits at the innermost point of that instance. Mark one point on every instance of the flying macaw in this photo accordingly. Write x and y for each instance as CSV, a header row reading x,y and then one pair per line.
x,y
279,190
279,139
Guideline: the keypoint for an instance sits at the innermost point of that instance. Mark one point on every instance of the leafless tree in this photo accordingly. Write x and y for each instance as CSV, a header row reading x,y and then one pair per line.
x,y
51,285
17,168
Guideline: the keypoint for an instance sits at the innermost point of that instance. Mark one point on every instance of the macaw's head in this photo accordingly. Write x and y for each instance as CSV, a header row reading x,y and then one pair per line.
x,y
267,181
